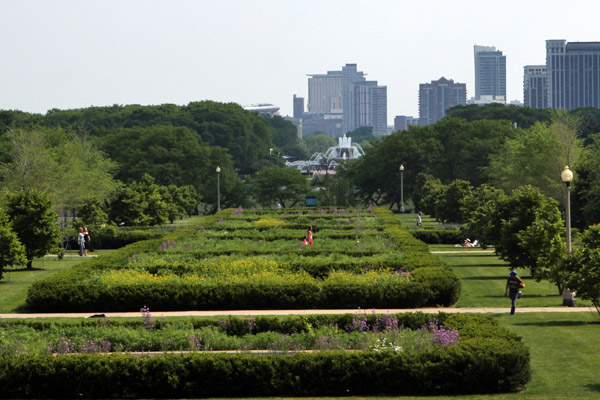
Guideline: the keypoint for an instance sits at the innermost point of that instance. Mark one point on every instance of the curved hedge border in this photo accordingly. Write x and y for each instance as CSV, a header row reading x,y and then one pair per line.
x,y
488,359
434,284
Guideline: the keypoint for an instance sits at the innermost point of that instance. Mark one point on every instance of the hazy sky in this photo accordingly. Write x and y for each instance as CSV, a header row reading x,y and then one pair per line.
x,y
79,53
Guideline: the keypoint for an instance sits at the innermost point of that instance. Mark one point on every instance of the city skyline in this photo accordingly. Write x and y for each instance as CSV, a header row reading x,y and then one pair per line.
x,y
69,54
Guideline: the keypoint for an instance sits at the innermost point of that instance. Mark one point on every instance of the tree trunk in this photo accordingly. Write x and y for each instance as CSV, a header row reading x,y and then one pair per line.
x,y
29,263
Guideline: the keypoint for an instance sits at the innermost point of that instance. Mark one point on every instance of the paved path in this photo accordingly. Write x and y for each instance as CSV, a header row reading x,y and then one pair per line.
x,y
302,312
461,251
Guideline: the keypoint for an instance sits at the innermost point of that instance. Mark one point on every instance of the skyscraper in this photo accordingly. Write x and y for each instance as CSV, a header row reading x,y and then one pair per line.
x,y
535,86
490,72
573,74
350,76
325,93
368,106
436,97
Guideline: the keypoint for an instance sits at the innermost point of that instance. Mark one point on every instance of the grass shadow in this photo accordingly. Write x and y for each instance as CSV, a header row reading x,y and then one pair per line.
x,y
484,278
24,269
552,323
594,387
493,265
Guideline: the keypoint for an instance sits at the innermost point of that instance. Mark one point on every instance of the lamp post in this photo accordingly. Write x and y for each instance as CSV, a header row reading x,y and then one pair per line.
x,y
567,176
270,159
401,188
218,189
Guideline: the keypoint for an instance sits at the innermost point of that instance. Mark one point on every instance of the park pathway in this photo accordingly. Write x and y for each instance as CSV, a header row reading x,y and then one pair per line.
x,y
489,310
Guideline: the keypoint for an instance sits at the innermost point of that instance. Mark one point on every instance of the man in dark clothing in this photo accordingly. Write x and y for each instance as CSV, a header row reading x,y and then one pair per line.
x,y
513,289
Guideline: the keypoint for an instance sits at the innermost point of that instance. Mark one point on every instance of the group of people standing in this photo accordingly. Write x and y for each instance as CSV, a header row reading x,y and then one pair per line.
x,y
83,240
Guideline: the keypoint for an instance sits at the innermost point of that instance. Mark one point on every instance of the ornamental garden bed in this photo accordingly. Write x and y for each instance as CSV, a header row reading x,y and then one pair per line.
x,y
359,353
247,259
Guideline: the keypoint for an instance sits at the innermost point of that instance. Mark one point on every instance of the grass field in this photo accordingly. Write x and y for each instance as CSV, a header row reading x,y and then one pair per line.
x,y
483,278
13,286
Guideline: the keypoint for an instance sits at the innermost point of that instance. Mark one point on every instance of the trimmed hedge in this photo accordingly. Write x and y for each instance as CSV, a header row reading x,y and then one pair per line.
x,y
440,236
478,366
487,359
433,283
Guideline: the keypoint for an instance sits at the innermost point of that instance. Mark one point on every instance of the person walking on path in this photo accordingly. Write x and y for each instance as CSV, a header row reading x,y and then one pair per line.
x,y
513,289
309,235
81,241
419,219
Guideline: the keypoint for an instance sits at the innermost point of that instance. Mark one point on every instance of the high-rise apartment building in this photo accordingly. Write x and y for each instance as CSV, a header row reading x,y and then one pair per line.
x,y
490,72
325,93
438,96
367,106
573,74
535,86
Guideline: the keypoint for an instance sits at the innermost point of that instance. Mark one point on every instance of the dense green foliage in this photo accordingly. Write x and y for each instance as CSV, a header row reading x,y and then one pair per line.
x,y
286,186
12,251
34,222
451,149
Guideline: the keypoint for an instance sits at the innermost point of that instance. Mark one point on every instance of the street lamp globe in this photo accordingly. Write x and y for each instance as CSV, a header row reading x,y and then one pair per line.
x,y
218,170
401,167
402,188
566,175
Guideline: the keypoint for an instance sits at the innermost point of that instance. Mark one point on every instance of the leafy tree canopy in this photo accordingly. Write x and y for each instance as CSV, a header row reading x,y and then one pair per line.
x,y
34,222
280,185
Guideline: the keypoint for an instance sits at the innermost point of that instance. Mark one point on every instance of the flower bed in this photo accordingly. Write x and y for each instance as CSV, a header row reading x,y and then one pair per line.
x,y
253,260
397,354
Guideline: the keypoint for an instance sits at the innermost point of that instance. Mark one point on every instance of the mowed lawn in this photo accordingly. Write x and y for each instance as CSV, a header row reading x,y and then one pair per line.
x,y
483,278
15,281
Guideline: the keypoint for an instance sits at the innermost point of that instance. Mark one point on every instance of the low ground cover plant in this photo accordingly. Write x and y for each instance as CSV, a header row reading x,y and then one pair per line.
x,y
229,261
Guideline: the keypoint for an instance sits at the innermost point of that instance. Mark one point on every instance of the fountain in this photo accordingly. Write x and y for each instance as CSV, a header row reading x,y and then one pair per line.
x,y
344,151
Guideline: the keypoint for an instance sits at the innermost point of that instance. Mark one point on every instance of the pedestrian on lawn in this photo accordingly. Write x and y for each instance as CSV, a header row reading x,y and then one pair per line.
x,y
514,284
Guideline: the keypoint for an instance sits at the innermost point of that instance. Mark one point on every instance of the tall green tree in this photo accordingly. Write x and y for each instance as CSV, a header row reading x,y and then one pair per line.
x,y
274,185
450,203
12,252
34,222
67,167
524,228
537,156
318,142
583,267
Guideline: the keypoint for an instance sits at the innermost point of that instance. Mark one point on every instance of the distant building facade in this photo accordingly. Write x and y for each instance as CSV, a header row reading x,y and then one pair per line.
x,y
573,74
298,107
345,95
326,123
535,86
436,97
402,122
490,72
325,93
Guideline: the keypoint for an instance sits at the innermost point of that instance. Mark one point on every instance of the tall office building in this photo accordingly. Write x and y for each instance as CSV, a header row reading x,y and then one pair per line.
x,y
350,76
325,93
573,74
535,86
438,96
298,107
490,72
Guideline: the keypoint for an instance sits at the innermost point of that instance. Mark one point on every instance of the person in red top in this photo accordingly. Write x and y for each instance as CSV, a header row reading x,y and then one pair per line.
x,y
309,235
513,289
